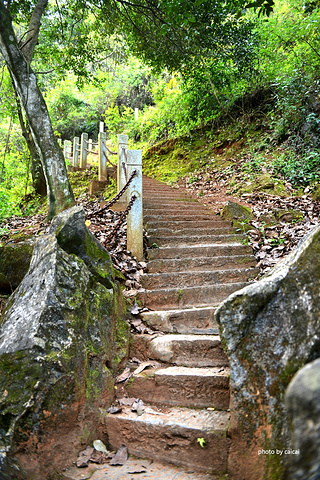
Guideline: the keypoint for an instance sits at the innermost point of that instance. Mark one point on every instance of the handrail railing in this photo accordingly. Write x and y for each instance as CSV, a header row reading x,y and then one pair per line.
x,y
129,182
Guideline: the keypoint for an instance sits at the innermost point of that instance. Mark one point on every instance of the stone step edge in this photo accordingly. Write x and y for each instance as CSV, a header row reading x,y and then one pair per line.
x,y
198,272
201,245
161,419
178,289
164,320
183,371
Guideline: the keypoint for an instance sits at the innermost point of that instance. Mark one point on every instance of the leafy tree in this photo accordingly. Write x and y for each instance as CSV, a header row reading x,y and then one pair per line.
x,y
18,55
176,33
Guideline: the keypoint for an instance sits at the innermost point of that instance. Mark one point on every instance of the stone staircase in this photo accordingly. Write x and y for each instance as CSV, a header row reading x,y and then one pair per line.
x,y
195,260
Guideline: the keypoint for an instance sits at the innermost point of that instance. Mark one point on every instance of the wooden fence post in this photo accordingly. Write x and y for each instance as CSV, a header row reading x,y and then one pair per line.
x,y
90,145
101,127
102,138
83,150
136,113
122,174
76,147
135,217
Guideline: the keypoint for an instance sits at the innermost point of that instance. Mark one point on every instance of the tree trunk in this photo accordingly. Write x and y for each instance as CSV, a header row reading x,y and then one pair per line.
x,y
38,178
59,192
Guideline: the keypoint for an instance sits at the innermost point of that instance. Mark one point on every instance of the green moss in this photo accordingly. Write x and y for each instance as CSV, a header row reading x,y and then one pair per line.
x,y
169,160
80,181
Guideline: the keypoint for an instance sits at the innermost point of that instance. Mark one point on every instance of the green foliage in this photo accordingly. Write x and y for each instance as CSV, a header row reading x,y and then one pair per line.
x,y
14,170
299,169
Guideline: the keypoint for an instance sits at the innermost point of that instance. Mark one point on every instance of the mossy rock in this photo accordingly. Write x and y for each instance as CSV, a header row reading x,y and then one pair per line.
x,y
235,211
15,259
269,330
62,334
316,194
265,182
283,215
75,238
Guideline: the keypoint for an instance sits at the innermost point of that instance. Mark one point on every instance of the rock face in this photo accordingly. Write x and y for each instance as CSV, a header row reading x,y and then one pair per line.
x,y
303,406
14,263
270,329
61,335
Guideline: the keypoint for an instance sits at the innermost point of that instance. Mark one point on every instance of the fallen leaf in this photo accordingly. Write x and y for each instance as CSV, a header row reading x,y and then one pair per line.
x,y
120,457
143,366
124,376
114,409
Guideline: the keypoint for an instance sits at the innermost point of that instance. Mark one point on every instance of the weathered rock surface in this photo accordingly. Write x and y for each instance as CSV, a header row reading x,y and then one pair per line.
x,y
235,211
270,329
303,405
15,260
74,237
60,336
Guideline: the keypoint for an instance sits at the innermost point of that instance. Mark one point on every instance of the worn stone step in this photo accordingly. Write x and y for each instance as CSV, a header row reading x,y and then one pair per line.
x,y
200,263
166,207
174,210
152,281
197,320
189,350
183,386
150,470
210,223
167,194
172,436
186,231
168,298
157,203
185,217
185,240
193,251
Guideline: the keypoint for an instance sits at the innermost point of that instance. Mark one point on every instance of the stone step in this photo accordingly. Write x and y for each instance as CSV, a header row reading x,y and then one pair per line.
x,y
188,350
156,203
166,207
150,470
193,251
174,210
198,320
200,263
185,240
171,436
152,281
165,195
172,232
183,386
169,298
185,217
199,224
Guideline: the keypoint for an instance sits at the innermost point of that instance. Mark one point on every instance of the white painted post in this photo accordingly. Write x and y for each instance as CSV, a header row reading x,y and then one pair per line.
x,y
122,174
101,128
67,147
135,217
76,147
83,150
136,113
90,144
102,138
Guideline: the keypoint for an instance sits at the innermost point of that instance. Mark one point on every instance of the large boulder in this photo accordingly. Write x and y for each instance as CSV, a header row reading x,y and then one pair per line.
x,y
269,330
303,406
62,335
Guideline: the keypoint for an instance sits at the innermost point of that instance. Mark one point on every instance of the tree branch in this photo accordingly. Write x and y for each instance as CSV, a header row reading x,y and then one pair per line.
x,y
34,27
